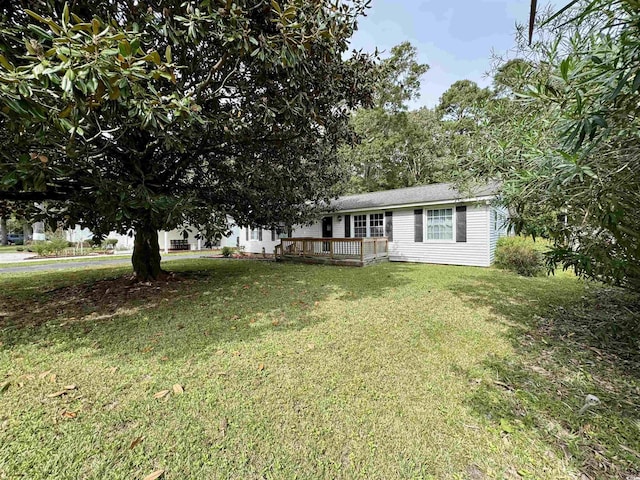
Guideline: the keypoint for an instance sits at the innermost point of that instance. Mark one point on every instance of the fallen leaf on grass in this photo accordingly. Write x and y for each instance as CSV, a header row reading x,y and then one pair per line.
x,y
66,390
279,353
57,394
67,414
164,359
154,475
136,442
224,425
261,367
112,370
177,389
4,386
161,394
236,353
44,374
52,378
219,352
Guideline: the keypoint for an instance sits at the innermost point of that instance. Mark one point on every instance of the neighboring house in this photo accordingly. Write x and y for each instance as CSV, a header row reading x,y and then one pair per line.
x,y
167,240
430,224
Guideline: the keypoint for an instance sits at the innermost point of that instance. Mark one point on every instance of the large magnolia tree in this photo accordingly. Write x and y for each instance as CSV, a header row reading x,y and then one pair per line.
x,y
150,115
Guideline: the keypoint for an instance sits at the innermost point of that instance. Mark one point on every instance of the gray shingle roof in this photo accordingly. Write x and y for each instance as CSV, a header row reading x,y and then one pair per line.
x,y
437,192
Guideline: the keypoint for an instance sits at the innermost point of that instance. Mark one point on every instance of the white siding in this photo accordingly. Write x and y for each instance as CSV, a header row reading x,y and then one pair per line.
x,y
474,252
256,246
496,229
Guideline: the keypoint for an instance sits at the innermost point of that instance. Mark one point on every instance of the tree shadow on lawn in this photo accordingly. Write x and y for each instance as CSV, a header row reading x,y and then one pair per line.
x,y
571,340
226,301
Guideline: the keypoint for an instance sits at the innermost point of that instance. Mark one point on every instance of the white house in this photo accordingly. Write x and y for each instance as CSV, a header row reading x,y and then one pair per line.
x,y
431,224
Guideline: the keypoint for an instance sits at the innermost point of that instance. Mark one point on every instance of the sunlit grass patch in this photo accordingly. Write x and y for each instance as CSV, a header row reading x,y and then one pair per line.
x,y
289,371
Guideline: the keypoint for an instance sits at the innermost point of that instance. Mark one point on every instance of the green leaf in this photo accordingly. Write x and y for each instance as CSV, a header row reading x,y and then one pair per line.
x,y
65,15
124,48
636,82
167,54
6,64
135,45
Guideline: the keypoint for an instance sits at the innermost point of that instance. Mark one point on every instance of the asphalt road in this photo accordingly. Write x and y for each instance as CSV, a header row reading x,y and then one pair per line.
x,y
22,268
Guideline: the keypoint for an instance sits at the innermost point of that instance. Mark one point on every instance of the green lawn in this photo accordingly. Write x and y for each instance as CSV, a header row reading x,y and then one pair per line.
x,y
302,371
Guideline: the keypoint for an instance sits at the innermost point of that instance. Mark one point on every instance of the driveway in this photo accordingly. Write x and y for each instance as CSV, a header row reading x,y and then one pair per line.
x,y
35,267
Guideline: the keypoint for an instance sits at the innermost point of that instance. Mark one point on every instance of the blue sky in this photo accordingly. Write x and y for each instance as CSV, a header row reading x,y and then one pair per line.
x,y
455,37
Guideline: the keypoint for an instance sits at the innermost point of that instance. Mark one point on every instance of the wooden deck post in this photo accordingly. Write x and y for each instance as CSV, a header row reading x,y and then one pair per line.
x,y
362,251
331,249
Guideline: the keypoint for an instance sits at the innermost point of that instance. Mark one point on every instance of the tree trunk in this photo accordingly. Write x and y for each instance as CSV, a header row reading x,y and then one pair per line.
x,y
3,231
146,254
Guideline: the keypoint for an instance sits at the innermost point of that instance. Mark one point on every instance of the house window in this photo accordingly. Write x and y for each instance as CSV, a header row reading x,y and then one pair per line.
x,y
255,234
376,225
359,226
440,224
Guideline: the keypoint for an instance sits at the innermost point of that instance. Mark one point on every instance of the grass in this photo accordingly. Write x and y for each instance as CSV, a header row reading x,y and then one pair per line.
x,y
8,248
300,371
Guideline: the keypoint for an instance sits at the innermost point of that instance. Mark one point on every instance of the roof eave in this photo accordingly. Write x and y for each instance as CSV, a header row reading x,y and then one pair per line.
x,y
418,204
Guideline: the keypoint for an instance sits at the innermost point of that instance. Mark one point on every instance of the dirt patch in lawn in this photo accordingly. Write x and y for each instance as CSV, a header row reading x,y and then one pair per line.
x,y
99,300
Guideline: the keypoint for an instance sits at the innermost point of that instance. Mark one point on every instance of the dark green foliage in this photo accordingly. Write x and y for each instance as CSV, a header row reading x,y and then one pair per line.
x,y
562,134
187,113
519,254
227,251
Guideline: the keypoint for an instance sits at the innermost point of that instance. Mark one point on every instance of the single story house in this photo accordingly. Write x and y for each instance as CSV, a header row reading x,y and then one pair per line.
x,y
430,224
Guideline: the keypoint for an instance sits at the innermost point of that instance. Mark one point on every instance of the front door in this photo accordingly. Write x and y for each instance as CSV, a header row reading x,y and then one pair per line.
x,y
327,231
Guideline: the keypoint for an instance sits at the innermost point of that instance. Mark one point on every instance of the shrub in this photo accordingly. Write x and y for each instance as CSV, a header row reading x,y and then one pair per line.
x,y
227,251
54,246
110,243
19,249
521,255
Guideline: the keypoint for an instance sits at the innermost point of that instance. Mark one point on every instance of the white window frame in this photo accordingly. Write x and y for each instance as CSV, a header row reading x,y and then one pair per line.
x,y
425,214
363,217
381,226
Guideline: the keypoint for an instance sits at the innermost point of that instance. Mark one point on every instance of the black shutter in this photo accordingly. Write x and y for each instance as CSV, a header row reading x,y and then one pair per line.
x,y
388,225
248,233
273,235
347,226
418,225
461,224
260,234
289,232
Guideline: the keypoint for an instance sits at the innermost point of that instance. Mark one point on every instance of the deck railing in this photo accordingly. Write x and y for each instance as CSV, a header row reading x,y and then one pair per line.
x,y
358,249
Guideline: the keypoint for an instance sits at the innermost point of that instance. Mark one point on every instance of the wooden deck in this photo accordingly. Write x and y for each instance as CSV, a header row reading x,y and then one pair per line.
x,y
356,252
